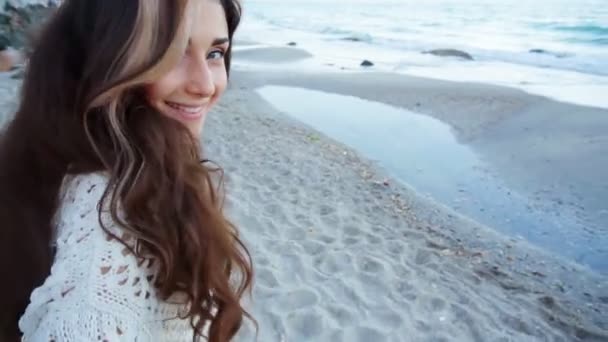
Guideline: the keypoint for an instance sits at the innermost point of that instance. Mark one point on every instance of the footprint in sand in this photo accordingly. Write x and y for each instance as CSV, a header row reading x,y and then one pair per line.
x,y
334,263
370,265
340,314
295,232
269,227
349,241
351,231
336,336
432,304
262,261
372,283
406,290
325,210
436,339
274,186
265,277
394,247
400,271
351,235
312,247
364,334
275,323
422,327
291,261
437,304
515,323
303,221
414,235
386,318
332,220
304,325
423,256
465,317
296,299
373,239
326,239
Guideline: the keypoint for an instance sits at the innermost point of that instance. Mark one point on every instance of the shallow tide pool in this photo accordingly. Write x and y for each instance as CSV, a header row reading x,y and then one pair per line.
x,y
423,153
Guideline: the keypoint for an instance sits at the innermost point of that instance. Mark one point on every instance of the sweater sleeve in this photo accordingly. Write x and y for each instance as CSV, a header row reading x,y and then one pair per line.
x,y
93,291
70,322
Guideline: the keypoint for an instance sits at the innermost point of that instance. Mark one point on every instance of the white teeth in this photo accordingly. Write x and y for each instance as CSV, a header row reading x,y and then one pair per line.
x,y
187,109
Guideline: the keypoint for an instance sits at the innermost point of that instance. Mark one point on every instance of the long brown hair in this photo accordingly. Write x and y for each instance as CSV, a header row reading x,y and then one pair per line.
x,y
82,110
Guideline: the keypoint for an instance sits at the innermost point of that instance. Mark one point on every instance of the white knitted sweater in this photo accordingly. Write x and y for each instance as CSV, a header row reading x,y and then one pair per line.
x,y
97,290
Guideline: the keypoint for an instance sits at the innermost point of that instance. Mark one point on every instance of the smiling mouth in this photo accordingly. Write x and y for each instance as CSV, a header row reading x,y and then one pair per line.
x,y
186,112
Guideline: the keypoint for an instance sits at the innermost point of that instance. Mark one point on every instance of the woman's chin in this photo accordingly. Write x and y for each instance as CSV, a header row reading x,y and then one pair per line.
x,y
196,127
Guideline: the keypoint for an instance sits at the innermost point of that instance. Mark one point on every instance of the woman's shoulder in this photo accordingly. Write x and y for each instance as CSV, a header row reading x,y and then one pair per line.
x,y
77,188
93,272
78,211
87,231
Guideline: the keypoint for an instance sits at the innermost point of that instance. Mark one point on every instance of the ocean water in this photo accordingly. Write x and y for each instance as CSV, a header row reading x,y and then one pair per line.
x,y
557,48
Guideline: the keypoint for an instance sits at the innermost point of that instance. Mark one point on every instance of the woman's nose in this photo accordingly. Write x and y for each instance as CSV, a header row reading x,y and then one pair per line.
x,y
200,79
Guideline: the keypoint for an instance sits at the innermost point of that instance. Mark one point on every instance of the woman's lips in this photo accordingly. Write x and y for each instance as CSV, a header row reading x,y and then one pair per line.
x,y
186,112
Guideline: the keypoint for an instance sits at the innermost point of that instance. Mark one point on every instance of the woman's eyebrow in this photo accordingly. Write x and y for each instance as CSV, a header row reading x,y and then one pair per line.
x,y
216,41
220,41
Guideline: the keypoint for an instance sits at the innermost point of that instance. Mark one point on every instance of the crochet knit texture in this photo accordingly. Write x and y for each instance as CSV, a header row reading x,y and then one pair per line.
x,y
98,290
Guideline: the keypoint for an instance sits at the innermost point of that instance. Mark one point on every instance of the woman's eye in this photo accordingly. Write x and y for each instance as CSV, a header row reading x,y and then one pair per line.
x,y
217,54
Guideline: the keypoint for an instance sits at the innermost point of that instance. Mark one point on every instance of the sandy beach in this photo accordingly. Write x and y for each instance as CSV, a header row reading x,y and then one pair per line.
x,y
381,206
344,252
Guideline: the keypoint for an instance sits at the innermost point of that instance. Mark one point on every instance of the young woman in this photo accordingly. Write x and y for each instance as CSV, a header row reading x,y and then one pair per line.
x,y
111,226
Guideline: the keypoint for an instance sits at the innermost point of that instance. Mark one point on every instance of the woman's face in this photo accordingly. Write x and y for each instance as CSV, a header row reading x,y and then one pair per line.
x,y
193,86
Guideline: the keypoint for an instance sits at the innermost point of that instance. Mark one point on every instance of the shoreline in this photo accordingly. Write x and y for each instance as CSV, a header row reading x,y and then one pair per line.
x,y
560,82
279,152
559,174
